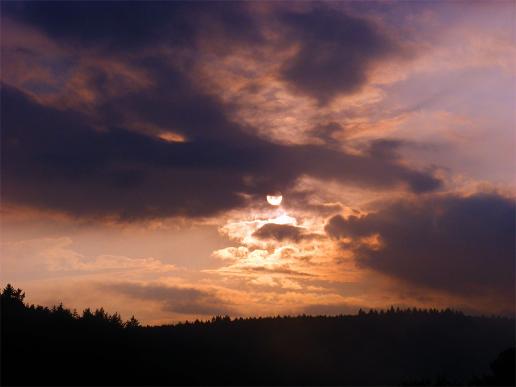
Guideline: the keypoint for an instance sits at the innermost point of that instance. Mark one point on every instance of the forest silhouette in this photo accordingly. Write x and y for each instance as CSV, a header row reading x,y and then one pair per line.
x,y
57,346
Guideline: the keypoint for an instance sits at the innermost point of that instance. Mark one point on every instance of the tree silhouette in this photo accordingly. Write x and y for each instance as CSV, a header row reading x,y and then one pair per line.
x,y
503,371
411,346
132,323
13,296
503,368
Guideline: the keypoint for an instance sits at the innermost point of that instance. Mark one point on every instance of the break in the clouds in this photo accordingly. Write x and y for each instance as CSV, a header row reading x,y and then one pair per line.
x,y
457,244
142,138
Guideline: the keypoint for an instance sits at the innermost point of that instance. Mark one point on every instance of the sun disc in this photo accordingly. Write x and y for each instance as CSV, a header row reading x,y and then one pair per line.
x,y
274,200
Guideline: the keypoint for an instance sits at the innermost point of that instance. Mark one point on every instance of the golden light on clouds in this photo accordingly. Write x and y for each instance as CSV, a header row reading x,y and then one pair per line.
x,y
172,137
179,154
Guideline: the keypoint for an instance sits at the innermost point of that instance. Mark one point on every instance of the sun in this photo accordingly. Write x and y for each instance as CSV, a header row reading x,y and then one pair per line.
x,y
274,200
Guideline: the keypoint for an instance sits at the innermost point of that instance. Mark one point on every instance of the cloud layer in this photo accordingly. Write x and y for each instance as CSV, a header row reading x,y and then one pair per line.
x,y
335,52
281,232
141,138
462,245
54,159
183,300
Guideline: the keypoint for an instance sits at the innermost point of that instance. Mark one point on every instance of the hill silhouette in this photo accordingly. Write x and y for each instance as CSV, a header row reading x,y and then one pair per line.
x,y
56,346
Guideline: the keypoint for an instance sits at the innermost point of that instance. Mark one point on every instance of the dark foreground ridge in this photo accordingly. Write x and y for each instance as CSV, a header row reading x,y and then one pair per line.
x,y
42,346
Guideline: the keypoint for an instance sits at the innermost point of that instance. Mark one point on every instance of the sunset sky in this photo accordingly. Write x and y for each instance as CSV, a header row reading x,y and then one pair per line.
x,y
139,142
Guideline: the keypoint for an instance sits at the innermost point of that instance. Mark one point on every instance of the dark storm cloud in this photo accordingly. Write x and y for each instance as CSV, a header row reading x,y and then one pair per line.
x,y
55,159
385,149
132,25
463,245
366,170
58,158
336,51
282,232
174,102
175,299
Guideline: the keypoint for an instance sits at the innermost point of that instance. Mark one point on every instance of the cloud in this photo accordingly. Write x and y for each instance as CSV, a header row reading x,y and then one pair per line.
x,y
461,245
326,132
130,26
183,300
385,149
43,257
278,269
92,143
335,52
282,232
57,159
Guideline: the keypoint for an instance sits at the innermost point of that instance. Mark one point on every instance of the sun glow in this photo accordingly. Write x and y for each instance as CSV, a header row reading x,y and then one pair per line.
x,y
283,218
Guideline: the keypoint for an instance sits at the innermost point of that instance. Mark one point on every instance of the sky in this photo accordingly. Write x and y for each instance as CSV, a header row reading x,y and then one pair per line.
x,y
139,142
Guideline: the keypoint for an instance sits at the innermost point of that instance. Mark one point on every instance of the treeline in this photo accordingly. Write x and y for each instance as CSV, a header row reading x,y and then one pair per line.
x,y
13,302
58,346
